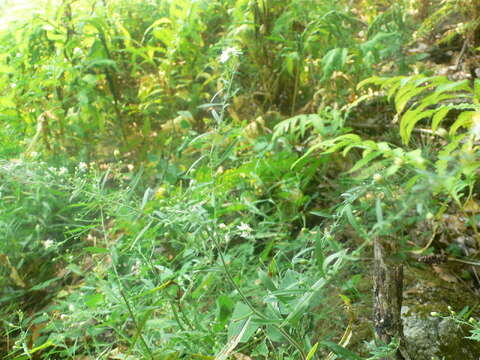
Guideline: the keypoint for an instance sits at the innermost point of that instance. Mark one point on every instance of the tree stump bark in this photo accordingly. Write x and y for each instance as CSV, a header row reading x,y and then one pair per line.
x,y
388,289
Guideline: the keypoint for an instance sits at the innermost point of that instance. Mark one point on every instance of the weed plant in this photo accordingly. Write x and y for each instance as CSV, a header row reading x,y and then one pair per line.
x,y
182,179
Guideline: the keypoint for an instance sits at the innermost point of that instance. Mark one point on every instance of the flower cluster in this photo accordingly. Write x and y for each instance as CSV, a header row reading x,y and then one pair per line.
x,y
228,53
245,230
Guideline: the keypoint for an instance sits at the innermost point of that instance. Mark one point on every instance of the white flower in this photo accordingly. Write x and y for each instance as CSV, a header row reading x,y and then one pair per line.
x,y
222,226
82,166
245,230
228,53
47,243
377,178
136,267
62,171
244,227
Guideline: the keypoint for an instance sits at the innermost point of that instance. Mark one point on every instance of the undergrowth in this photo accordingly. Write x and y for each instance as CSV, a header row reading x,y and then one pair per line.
x,y
204,179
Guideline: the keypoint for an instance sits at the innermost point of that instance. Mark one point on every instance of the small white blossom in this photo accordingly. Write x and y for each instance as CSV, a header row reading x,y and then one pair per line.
x,y
136,267
245,230
244,227
228,53
47,243
77,51
62,171
82,166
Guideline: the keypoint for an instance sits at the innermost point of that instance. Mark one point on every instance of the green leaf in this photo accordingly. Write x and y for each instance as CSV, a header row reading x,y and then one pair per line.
x,y
453,86
321,214
274,334
410,119
101,63
375,80
5,69
334,60
353,221
96,250
333,145
365,160
266,281
312,352
463,120
225,306
391,170
7,101
45,345
440,114
406,96
92,301
303,304
297,125
241,317
44,284
341,351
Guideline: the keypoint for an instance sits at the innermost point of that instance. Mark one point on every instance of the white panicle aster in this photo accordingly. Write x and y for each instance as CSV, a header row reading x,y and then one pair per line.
x,y
47,243
245,230
82,166
228,53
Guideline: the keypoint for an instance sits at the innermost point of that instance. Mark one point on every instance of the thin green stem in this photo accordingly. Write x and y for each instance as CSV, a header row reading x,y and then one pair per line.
x,y
213,235
123,295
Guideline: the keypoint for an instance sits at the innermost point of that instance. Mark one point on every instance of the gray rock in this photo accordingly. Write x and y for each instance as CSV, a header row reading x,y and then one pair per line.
x,y
432,338
436,337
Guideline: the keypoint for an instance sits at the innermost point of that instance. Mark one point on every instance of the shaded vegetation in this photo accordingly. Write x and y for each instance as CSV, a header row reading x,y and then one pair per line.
x,y
205,179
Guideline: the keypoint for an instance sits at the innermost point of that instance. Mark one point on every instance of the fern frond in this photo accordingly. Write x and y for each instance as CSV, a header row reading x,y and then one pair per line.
x,y
297,126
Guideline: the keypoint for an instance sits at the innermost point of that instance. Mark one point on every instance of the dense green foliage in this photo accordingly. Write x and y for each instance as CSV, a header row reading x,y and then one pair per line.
x,y
203,179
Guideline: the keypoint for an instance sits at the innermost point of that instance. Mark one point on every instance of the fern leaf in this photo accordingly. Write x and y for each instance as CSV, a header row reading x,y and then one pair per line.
x,y
440,114
463,120
408,121
365,161
335,59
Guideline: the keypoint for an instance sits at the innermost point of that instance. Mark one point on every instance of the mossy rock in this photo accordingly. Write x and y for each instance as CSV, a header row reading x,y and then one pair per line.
x,y
428,337
435,337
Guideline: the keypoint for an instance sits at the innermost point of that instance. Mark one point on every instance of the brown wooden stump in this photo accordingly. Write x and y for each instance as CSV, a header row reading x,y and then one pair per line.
x,y
388,288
